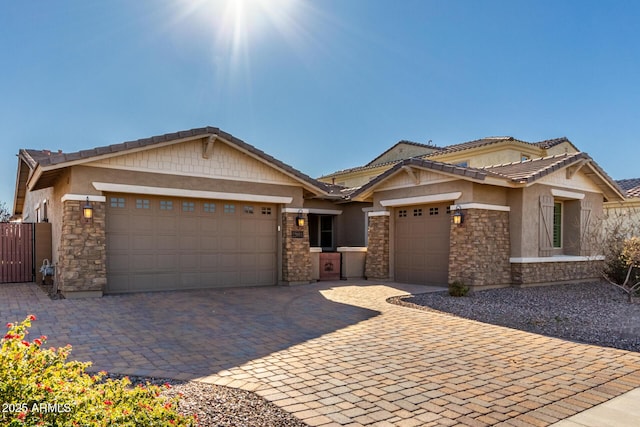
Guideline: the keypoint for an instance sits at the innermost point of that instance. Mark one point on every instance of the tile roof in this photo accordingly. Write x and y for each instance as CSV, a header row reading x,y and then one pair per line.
x,y
524,172
546,144
531,170
404,142
630,186
466,172
45,158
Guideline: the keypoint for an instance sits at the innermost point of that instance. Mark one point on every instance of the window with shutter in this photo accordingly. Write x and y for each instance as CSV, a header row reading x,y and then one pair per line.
x,y
557,225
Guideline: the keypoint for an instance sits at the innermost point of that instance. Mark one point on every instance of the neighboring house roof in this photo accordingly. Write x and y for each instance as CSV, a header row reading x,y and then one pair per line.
x,y
439,151
428,148
45,166
631,187
514,174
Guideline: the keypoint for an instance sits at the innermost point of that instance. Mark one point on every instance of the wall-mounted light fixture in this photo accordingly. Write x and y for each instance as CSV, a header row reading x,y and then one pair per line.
x,y
87,211
300,219
458,216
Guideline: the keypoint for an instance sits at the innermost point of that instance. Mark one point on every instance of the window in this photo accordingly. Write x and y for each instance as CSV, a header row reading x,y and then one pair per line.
x,y
229,209
464,164
525,157
448,210
209,207
557,225
266,211
321,231
166,205
142,203
417,212
117,202
248,210
433,211
402,213
188,206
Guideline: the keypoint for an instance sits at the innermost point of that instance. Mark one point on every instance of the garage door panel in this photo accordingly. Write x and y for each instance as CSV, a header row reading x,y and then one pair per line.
x,y
166,261
118,262
422,244
189,243
228,244
119,222
142,223
161,249
189,262
143,262
143,242
118,242
165,242
209,262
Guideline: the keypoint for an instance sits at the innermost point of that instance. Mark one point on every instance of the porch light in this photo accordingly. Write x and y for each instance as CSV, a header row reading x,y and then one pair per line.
x,y
300,219
458,216
87,211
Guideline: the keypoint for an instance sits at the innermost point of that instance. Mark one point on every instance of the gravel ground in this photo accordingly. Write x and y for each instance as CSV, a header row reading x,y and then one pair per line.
x,y
219,406
593,313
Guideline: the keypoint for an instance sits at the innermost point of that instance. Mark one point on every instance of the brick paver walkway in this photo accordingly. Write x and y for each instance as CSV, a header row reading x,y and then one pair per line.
x,y
336,353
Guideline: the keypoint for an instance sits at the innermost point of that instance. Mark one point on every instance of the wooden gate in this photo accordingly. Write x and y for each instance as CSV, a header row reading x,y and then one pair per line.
x,y
16,252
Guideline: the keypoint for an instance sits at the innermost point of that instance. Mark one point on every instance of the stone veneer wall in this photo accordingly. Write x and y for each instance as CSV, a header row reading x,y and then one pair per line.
x,y
376,264
81,268
536,273
296,256
480,249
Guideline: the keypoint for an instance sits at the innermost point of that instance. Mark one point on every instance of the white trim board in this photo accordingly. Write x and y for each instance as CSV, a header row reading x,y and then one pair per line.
x,y
421,200
379,213
194,194
313,211
567,194
482,206
82,198
557,258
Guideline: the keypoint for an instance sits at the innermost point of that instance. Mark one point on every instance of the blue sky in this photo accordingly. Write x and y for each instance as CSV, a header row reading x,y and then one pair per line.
x,y
322,85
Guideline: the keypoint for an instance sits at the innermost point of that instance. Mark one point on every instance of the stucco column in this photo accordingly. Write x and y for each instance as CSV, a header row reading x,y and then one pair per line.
x,y
81,268
296,256
480,249
376,264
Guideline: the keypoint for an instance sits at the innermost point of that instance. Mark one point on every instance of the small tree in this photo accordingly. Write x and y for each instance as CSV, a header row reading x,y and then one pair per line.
x,y
5,213
617,237
627,261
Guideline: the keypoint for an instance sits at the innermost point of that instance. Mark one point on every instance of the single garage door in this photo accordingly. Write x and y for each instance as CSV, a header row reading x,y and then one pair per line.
x,y
422,244
166,243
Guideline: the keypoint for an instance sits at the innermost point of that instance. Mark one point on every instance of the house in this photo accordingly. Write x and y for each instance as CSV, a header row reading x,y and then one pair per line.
x,y
626,212
201,208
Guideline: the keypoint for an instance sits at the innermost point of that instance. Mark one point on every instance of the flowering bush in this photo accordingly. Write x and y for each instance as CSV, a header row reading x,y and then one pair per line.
x,y
39,387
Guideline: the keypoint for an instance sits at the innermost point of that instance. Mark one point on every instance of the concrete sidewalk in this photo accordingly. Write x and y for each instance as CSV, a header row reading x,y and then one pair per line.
x,y
337,354
623,411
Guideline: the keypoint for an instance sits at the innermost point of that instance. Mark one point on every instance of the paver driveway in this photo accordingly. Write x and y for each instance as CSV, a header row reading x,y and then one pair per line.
x,y
336,353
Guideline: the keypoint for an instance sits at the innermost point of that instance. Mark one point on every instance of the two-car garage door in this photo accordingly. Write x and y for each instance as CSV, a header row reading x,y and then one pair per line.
x,y
422,244
164,243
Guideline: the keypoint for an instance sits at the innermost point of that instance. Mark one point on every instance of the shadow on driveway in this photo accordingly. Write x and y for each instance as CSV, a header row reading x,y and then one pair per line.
x,y
185,334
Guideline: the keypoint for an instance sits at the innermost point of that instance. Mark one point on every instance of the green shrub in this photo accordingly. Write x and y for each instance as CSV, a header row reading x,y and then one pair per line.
x,y
458,289
39,387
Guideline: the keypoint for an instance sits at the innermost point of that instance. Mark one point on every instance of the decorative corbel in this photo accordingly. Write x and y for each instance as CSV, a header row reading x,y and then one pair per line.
x,y
207,146
411,174
572,170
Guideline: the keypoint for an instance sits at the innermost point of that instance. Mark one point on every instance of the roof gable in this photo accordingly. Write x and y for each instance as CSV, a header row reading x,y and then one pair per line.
x,y
403,150
514,175
186,159
47,165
